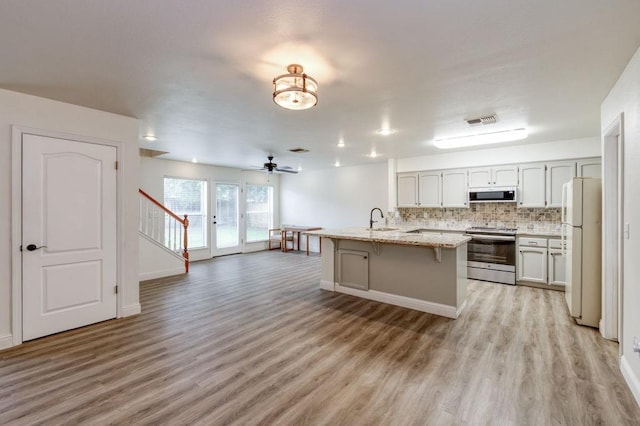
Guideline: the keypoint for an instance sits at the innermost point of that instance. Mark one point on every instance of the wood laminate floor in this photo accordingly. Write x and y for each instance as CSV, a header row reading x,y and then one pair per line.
x,y
251,339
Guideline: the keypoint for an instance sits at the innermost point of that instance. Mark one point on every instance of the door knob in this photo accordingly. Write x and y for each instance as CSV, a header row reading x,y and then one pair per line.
x,y
33,247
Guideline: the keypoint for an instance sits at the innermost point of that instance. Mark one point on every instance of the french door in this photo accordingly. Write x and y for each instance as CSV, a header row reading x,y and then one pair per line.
x,y
227,219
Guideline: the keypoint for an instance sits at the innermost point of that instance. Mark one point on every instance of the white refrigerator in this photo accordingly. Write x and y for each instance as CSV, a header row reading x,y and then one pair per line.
x,y
582,237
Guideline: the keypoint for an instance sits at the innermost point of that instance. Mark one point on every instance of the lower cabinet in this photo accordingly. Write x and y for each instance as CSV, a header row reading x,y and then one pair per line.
x,y
353,269
557,263
541,261
532,260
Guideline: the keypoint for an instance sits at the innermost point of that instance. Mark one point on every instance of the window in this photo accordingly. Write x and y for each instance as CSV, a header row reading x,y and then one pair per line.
x,y
259,212
189,196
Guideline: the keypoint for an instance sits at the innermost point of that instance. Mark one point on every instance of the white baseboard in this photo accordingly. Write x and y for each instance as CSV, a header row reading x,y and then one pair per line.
x,y
161,274
130,310
326,285
403,301
632,380
6,341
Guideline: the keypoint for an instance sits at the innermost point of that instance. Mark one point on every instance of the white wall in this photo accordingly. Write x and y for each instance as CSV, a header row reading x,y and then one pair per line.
x,y
44,114
548,151
334,198
152,174
625,98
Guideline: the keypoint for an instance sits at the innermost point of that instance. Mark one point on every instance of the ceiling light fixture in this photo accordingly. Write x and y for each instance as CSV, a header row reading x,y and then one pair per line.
x,y
296,90
385,131
337,164
194,160
150,138
482,139
373,154
341,143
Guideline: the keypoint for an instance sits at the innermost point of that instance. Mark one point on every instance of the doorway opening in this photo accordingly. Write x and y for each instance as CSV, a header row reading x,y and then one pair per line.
x,y
613,229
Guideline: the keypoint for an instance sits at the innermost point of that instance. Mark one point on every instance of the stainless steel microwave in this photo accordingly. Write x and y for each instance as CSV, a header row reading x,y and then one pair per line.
x,y
493,195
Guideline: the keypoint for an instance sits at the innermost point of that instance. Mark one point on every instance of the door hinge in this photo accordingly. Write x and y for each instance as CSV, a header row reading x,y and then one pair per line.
x,y
116,165
115,289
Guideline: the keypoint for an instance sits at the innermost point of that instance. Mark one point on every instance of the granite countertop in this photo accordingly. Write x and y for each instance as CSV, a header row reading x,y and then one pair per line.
x,y
538,233
396,235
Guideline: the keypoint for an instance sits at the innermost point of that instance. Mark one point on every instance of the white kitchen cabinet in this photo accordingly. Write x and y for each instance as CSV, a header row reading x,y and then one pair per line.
x,y
407,189
506,175
532,185
532,260
557,174
482,177
429,189
419,189
454,188
556,263
589,167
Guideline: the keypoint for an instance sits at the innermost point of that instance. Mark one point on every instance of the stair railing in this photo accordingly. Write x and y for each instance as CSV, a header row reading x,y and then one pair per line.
x,y
164,226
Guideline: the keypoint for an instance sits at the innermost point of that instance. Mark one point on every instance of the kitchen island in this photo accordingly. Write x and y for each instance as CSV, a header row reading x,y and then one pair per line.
x,y
425,271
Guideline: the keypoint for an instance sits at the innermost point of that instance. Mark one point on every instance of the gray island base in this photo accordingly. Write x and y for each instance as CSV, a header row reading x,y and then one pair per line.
x,y
422,271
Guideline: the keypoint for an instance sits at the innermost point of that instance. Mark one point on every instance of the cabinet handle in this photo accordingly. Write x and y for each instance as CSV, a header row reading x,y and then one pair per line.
x,y
533,243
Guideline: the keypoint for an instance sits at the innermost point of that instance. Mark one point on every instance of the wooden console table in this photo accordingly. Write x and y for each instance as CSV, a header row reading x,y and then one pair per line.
x,y
294,229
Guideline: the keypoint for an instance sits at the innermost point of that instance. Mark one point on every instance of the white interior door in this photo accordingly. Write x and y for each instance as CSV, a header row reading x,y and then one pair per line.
x,y
227,219
68,234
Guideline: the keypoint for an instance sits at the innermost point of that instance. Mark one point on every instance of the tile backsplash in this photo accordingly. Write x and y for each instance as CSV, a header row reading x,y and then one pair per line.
x,y
484,214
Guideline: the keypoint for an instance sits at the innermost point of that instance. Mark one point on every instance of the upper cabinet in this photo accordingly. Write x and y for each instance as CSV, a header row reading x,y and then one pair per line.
x,y
532,185
539,184
407,190
419,189
429,189
483,177
557,174
454,188
590,167
436,188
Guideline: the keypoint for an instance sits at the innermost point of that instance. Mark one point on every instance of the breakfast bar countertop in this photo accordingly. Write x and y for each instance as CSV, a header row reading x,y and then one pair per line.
x,y
395,235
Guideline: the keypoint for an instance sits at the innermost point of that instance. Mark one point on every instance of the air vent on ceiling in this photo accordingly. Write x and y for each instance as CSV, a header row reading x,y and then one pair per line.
x,y
487,119
299,150
144,152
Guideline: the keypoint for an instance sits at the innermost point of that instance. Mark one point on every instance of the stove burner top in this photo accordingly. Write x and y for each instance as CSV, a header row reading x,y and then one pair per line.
x,y
490,230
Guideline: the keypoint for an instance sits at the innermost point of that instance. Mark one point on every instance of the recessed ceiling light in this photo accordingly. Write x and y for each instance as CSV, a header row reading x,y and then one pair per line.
x,y
373,154
482,139
385,131
337,164
150,138
194,160
341,143
299,168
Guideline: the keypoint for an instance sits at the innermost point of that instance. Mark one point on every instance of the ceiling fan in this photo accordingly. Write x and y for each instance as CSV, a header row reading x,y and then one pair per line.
x,y
272,167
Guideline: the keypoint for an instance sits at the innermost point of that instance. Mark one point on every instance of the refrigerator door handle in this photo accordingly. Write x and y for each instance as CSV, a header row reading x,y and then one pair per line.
x,y
563,237
563,210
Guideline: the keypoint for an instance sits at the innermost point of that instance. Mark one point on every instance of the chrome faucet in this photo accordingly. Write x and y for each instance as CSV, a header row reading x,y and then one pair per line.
x,y
371,221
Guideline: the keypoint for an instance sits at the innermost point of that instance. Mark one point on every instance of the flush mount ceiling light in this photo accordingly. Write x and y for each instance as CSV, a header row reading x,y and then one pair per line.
x,y
482,139
295,90
150,138
385,131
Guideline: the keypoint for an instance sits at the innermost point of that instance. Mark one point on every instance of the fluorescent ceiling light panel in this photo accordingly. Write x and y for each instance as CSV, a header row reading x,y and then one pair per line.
x,y
482,139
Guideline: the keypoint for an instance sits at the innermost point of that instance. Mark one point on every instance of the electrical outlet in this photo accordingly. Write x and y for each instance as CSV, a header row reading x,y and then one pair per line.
x,y
636,344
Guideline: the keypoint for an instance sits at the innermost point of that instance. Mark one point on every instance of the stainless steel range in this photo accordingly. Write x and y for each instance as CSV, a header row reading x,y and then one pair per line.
x,y
491,254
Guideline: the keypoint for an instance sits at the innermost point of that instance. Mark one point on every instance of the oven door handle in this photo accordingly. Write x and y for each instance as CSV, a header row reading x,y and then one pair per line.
x,y
491,237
